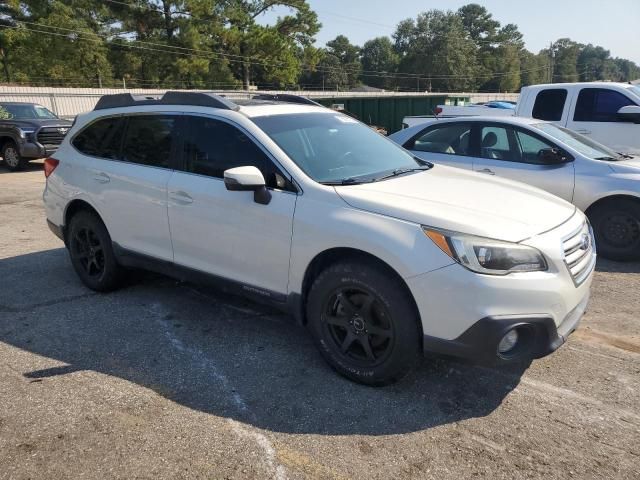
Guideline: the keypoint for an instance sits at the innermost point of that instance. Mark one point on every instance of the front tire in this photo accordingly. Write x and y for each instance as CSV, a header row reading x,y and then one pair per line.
x,y
364,323
91,252
616,225
12,158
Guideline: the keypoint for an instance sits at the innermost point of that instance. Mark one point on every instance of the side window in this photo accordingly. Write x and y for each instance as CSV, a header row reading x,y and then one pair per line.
x,y
549,104
495,143
530,147
102,138
213,146
599,105
452,138
148,140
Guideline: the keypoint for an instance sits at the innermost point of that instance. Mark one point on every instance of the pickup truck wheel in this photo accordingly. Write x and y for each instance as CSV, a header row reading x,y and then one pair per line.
x,y
364,323
91,252
616,225
12,158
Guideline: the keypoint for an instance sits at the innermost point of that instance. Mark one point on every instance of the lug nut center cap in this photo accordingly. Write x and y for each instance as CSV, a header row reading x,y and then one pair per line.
x,y
358,324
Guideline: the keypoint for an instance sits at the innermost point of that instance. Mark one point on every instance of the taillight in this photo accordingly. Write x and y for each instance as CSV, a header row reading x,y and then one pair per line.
x,y
50,165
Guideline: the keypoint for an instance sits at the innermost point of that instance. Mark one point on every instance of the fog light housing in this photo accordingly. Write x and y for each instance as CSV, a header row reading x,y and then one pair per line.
x,y
508,342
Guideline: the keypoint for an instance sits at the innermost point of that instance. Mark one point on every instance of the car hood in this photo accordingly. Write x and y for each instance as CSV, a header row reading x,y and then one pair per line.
x,y
461,201
631,165
37,123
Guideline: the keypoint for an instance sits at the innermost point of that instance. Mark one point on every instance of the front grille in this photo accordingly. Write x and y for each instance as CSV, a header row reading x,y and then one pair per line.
x,y
579,253
52,136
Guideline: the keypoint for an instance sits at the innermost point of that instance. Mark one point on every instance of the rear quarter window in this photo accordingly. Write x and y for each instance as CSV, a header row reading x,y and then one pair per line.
x,y
549,104
101,138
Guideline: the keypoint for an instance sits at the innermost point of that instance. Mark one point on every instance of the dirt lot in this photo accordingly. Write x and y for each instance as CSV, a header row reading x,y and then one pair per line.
x,y
168,380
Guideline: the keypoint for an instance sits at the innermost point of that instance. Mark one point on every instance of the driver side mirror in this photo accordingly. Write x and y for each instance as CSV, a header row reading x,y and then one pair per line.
x,y
630,113
551,156
247,179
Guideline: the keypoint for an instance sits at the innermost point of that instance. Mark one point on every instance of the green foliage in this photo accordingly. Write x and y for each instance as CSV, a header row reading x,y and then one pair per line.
x,y
227,44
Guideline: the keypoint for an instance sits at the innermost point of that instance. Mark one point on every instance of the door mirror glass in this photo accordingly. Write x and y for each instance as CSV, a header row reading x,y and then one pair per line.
x,y
551,156
630,113
247,179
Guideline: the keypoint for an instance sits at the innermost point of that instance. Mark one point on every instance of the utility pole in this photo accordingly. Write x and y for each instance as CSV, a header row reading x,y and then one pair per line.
x,y
551,62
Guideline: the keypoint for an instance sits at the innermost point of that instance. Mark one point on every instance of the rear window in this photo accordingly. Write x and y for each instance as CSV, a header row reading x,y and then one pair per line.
x,y
149,139
101,139
549,104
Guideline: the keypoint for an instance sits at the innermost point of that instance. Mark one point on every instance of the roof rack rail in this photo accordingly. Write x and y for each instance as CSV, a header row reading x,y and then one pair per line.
x,y
286,97
200,99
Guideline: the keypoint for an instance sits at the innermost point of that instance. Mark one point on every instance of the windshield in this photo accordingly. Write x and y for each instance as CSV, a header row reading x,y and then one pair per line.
x,y
580,143
335,148
25,112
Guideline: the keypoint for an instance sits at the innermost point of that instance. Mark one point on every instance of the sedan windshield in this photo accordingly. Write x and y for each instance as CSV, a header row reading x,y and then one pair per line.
x,y
580,143
25,112
333,148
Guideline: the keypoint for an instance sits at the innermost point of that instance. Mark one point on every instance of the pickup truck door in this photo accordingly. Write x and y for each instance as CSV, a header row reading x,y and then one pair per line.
x,y
445,143
594,113
512,152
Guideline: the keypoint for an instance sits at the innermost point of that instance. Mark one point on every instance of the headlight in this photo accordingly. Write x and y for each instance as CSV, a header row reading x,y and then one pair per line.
x,y
484,255
26,132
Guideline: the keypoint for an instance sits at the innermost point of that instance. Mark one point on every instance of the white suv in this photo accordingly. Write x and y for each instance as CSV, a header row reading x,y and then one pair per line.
x,y
381,254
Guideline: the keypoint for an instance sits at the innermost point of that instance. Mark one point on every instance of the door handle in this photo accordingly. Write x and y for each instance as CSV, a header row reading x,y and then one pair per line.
x,y
101,177
584,132
181,198
487,171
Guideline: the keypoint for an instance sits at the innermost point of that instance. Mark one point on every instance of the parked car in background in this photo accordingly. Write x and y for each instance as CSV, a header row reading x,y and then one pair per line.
x,y
381,254
599,181
606,112
28,131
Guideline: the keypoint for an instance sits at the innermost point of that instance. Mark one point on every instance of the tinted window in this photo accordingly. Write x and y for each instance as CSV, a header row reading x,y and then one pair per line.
x,y
453,139
102,138
148,140
550,104
212,146
495,143
530,147
599,105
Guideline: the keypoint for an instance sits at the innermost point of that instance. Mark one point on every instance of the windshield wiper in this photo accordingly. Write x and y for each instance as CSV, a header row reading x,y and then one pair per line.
x,y
608,159
625,155
344,181
401,171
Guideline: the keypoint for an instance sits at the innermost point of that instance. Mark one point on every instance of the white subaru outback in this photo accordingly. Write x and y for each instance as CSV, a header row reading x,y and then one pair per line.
x,y
382,255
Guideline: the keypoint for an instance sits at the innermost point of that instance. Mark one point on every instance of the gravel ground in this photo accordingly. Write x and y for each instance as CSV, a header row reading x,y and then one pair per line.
x,y
170,380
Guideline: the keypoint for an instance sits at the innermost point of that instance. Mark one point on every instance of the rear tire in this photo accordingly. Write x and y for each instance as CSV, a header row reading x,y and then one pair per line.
x,y
12,158
616,225
91,252
364,323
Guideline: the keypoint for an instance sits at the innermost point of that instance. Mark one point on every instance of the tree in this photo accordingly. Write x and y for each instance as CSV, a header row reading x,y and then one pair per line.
x,y
378,55
348,57
271,48
435,46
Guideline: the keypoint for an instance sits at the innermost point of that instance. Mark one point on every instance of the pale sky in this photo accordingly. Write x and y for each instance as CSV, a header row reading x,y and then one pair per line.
x,y
613,24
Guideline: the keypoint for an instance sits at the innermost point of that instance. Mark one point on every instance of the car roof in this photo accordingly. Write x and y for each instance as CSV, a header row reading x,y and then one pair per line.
x,y
261,108
581,84
485,118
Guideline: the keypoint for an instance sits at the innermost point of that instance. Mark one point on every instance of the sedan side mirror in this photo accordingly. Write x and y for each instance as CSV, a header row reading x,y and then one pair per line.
x,y
248,179
551,156
630,113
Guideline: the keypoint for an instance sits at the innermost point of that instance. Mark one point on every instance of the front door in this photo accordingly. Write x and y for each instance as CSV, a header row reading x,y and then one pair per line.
x,y
226,233
515,154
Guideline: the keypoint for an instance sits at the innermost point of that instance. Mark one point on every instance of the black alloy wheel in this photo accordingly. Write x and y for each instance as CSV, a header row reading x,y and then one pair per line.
x,y
359,326
86,247
616,225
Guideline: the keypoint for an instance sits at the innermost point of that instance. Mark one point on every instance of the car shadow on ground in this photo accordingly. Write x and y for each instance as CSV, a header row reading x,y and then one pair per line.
x,y
222,355
610,266
31,166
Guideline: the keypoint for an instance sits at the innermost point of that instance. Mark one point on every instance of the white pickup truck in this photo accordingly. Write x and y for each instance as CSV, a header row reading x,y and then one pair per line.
x,y
606,112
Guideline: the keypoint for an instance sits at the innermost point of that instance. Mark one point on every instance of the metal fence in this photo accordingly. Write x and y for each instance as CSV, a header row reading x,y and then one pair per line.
x,y
68,102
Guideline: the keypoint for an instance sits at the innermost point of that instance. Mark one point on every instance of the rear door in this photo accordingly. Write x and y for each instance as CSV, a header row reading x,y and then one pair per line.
x,y
447,143
595,115
126,166
226,233
514,153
